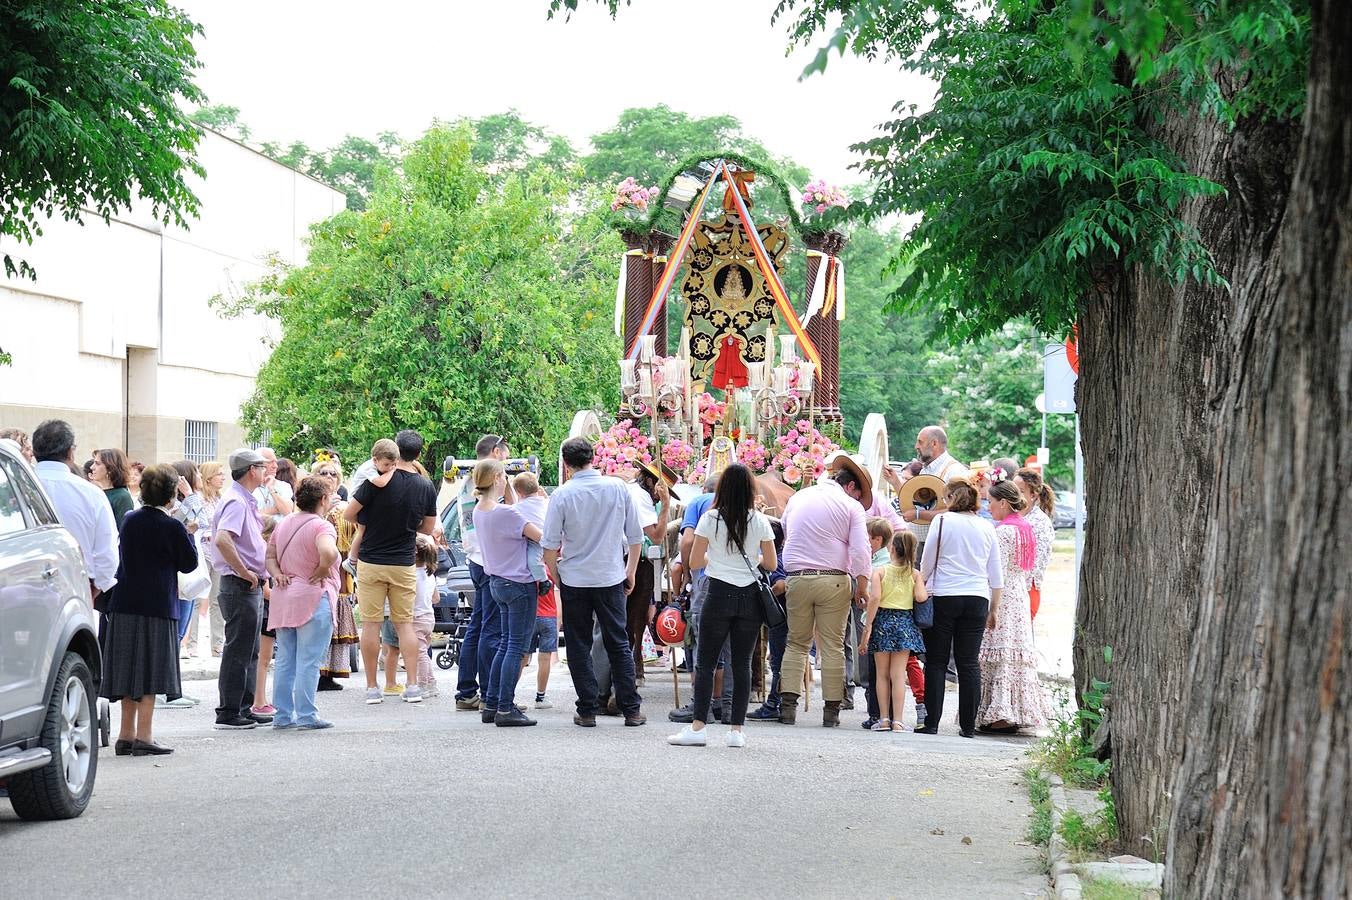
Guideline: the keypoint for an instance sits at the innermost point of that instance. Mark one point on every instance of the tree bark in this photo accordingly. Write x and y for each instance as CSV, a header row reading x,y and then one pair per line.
x,y
1155,362
1263,797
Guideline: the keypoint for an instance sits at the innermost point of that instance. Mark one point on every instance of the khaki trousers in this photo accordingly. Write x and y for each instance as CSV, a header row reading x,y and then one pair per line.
x,y
818,602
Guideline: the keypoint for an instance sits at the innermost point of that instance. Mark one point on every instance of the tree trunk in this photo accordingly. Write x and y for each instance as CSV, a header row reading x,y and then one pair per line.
x,y
1155,362
1263,797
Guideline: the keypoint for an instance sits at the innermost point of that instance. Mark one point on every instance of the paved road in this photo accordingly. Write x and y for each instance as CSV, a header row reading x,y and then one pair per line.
x,y
424,799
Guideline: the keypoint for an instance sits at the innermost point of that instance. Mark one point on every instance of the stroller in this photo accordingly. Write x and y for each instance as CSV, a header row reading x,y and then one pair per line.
x,y
452,611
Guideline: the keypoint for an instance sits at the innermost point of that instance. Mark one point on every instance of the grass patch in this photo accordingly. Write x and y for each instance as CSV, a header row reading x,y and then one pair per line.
x,y
1106,889
1040,795
1092,835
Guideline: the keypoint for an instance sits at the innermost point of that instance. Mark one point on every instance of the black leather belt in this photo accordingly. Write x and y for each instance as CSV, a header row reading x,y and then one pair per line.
x,y
816,572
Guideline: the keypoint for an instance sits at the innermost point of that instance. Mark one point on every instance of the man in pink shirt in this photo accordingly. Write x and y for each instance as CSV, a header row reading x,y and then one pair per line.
x,y
828,561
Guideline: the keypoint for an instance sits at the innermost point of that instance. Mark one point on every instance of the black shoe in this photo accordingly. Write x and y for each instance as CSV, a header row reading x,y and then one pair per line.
x,y
966,732
869,723
684,715
584,721
149,748
764,714
235,723
488,716
926,730
514,719
258,718
326,683
683,667
122,748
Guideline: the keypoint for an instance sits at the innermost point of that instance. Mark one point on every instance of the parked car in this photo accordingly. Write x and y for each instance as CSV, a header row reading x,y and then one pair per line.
x,y
1063,513
50,664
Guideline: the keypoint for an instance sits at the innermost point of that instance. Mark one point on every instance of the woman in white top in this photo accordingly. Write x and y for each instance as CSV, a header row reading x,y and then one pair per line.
x,y
731,539
961,566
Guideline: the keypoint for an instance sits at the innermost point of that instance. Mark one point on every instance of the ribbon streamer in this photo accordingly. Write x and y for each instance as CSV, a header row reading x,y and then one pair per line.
x,y
663,286
772,279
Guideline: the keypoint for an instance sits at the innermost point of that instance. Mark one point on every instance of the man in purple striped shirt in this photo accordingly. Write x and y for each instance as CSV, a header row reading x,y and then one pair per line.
x,y
828,561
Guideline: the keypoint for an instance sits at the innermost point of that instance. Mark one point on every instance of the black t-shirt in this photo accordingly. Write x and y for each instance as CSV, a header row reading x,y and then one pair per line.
x,y
392,516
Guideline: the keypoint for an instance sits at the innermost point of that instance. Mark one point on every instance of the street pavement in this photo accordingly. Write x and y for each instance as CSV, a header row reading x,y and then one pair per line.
x,y
424,799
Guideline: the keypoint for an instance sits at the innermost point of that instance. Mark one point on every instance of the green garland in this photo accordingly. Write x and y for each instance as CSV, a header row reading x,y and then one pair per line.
x,y
661,218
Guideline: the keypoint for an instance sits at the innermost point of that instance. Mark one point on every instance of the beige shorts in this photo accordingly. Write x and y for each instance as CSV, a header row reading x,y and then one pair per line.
x,y
376,583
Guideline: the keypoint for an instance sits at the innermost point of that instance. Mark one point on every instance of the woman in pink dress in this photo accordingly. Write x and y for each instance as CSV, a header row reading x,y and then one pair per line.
x,y
1011,695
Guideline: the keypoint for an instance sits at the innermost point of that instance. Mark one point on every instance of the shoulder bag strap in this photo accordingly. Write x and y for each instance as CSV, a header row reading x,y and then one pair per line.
x,y
282,552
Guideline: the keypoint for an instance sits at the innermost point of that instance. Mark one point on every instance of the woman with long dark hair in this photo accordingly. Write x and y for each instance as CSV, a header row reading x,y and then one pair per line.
x,y
733,543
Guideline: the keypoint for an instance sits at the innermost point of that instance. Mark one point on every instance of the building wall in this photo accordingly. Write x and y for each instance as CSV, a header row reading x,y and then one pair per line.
x,y
117,334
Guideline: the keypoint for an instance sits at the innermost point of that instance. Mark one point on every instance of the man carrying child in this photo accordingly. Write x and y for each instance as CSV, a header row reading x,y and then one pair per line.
x,y
392,515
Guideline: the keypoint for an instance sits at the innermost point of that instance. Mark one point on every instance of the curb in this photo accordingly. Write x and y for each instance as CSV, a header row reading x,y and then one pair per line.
x,y
1065,881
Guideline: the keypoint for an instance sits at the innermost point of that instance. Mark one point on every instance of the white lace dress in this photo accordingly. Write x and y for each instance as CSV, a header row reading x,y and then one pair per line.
x,y
1010,690
1045,533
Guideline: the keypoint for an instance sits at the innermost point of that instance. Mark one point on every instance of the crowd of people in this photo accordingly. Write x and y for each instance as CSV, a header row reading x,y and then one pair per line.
x,y
280,558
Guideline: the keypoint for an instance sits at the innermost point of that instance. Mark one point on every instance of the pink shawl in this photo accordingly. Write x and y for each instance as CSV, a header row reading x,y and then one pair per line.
x,y
1027,542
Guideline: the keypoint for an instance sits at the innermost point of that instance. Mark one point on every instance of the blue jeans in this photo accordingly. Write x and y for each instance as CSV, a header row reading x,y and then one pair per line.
x,y
516,604
604,605
185,610
777,638
483,634
296,675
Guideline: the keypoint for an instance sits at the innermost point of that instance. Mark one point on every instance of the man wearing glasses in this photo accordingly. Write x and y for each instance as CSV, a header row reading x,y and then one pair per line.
x,y
240,551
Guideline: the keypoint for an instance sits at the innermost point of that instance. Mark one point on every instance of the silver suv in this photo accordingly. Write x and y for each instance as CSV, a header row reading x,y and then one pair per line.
x,y
49,654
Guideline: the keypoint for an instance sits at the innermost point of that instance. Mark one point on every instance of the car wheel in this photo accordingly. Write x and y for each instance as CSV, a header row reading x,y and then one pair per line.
x,y
61,789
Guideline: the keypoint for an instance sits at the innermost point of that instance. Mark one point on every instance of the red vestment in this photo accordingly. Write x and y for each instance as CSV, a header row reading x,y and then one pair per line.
x,y
729,369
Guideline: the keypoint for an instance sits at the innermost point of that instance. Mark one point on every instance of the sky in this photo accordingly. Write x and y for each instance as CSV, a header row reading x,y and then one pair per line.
x,y
316,71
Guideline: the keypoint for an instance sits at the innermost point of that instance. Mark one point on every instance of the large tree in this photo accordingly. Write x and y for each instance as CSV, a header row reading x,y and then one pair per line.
x,y
453,305
1176,177
90,114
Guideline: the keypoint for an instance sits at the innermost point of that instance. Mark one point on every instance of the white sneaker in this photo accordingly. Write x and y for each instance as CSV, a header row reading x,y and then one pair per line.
x,y
543,704
688,737
413,694
373,696
736,738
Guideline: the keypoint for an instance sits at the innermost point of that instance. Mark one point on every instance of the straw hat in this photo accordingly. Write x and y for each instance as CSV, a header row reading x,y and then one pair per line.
x,y
666,473
858,467
916,485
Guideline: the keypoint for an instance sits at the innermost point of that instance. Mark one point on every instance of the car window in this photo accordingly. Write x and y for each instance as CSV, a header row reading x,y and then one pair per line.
x,y
11,513
38,506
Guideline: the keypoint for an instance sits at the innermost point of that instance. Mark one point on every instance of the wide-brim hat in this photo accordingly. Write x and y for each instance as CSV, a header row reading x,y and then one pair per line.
x,y
919,483
665,473
858,467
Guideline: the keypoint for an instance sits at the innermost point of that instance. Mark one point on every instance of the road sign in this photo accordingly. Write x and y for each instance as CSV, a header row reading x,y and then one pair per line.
x,y
1058,380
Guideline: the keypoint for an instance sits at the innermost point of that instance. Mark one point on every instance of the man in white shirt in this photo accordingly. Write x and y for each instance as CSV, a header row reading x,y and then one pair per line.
x,y
82,507
931,448
274,497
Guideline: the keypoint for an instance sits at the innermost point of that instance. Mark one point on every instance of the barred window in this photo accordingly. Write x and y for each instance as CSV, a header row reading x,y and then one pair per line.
x,y
199,441
264,440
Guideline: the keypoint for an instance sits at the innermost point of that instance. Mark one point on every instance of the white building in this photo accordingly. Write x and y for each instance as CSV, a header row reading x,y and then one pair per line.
x,y
116,335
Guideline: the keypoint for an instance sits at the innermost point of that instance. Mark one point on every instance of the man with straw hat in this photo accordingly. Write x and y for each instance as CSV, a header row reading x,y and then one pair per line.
x,y
828,561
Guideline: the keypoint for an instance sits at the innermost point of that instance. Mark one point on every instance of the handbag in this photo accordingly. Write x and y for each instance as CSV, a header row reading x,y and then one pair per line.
x,y
923,613
771,608
195,585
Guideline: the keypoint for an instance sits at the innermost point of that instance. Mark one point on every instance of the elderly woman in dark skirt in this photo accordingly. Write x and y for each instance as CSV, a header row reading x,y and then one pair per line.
x,y
141,652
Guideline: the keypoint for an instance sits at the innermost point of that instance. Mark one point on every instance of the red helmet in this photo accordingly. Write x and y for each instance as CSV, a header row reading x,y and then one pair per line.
x,y
670,626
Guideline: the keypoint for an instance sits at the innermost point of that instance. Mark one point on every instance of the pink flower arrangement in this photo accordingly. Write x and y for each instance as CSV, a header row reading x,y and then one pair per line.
x,y
679,455
711,411
800,454
754,455
620,449
696,475
820,196
629,193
